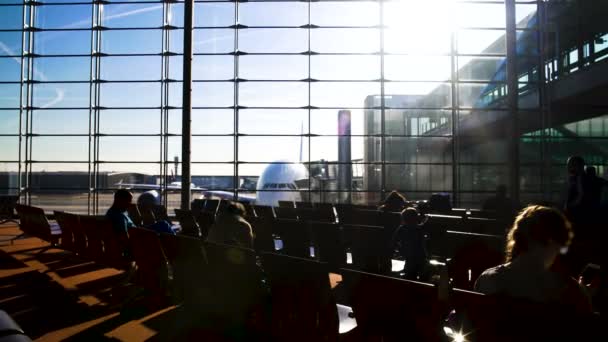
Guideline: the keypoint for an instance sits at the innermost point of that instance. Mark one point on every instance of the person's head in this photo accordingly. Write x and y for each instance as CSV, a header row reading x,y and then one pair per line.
x,y
148,199
501,191
591,171
409,216
122,199
394,201
541,231
576,166
235,208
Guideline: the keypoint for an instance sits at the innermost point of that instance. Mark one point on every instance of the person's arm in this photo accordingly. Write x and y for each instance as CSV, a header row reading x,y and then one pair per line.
x,y
244,235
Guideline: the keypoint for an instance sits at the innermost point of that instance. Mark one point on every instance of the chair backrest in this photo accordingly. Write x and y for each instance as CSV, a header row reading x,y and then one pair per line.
x,y
263,240
211,205
188,223
328,243
366,218
471,254
135,215
147,217
315,214
295,235
188,260
303,308
115,244
287,204
7,206
205,220
147,252
393,308
264,211
198,205
67,236
33,221
289,213
367,247
299,204
94,234
235,279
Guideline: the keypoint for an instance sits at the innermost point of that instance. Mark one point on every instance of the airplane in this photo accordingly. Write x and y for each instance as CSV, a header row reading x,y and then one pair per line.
x,y
140,186
276,183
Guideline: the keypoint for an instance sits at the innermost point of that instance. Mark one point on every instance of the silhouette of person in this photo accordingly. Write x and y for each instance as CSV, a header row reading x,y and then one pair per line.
x,y
147,202
117,213
394,202
410,239
534,242
500,203
231,227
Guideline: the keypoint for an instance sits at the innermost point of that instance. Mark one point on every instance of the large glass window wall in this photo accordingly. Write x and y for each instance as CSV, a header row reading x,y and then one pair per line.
x,y
91,95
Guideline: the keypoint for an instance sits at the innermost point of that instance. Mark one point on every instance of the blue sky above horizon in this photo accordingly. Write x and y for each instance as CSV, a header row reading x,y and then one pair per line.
x,y
420,29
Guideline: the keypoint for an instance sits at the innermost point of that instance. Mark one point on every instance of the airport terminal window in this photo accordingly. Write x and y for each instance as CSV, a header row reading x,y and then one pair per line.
x,y
424,82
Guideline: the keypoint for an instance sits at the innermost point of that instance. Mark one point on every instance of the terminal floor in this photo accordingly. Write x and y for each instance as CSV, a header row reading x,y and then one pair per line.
x,y
54,296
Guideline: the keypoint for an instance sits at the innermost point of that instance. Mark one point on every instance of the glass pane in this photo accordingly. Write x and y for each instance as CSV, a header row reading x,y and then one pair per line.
x,y
326,148
345,40
345,67
11,17
273,94
59,95
273,67
62,69
482,41
212,121
55,121
481,95
431,43
9,95
65,42
526,15
130,41
481,15
199,171
131,68
11,69
273,40
127,172
11,43
208,41
325,121
481,68
213,14
272,149
417,68
140,149
342,94
273,121
417,122
418,150
131,121
419,181
214,94
57,17
60,148
348,13
210,149
273,14
121,95
211,68
132,15
10,148
418,95
10,121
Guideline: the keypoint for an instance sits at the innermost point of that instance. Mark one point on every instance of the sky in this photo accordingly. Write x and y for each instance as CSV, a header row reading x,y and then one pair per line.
x,y
422,29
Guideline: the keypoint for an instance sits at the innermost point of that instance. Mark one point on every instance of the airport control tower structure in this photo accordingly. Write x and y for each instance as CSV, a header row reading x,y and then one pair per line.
x,y
345,170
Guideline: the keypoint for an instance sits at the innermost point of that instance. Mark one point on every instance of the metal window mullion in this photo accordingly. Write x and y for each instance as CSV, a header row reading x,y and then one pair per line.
x,y
309,111
97,112
512,100
235,147
544,110
30,102
455,119
21,100
382,102
91,91
163,103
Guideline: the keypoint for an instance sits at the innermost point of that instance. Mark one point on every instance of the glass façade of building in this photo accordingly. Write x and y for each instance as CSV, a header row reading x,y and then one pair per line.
x,y
91,91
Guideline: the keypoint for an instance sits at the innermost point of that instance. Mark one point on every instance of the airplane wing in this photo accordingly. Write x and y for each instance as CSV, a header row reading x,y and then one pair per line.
x,y
133,186
227,195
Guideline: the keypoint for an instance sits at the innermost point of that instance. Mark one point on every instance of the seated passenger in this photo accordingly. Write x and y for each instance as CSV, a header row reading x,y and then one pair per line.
x,y
146,203
231,228
117,213
411,241
394,202
533,245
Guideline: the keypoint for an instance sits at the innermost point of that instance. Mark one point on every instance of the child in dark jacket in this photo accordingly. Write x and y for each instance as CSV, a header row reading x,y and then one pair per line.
x,y
410,239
